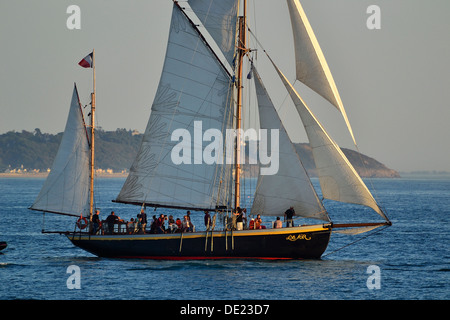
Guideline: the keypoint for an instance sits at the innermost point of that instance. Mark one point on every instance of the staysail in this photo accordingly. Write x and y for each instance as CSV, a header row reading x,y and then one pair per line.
x,y
66,190
290,186
193,96
311,66
219,18
338,179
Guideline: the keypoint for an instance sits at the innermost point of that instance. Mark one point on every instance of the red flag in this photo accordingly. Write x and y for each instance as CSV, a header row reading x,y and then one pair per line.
x,y
87,61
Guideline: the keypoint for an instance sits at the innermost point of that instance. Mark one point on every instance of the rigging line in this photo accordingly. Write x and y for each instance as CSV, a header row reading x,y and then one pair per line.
x,y
351,243
377,199
227,113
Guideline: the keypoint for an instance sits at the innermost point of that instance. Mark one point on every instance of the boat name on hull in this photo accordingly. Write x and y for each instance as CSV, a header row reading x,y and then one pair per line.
x,y
299,237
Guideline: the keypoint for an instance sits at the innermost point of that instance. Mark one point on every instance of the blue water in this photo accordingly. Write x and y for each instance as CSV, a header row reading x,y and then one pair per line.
x,y
412,256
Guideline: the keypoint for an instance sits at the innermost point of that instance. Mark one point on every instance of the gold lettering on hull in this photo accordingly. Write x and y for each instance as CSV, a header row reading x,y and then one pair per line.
x,y
299,237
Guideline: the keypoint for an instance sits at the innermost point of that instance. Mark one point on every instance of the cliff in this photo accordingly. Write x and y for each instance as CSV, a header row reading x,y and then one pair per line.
x,y
365,166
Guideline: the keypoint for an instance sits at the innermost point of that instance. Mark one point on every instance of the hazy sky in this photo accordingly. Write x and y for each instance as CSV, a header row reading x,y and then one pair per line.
x,y
393,81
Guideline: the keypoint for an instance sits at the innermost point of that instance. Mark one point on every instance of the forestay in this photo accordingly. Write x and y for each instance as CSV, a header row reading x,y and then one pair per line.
x,y
66,189
193,87
290,186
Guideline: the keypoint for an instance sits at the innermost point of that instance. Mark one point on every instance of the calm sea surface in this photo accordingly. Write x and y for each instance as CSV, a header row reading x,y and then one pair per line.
x,y
410,259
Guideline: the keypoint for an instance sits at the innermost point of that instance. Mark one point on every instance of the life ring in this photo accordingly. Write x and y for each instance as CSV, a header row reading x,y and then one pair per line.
x,y
82,223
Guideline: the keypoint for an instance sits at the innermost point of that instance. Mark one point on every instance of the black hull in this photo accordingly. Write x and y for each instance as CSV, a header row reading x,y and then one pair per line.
x,y
3,245
307,242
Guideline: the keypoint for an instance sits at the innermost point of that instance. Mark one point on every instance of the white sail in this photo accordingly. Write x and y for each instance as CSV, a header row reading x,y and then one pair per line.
x,y
338,179
193,87
66,190
290,186
311,66
219,18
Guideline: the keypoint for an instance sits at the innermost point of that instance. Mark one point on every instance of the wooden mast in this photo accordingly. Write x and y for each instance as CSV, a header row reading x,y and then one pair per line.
x,y
91,194
242,49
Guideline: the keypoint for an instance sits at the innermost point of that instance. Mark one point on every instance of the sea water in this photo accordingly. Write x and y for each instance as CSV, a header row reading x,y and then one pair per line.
x,y
409,260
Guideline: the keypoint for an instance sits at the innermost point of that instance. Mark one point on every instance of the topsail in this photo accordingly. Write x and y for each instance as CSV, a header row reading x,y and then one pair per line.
x,y
219,18
311,67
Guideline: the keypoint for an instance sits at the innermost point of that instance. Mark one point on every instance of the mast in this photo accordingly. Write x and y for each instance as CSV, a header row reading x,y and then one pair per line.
x,y
242,49
91,191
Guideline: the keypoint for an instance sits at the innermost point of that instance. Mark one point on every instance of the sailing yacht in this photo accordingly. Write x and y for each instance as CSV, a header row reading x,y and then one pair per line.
x,y
202,82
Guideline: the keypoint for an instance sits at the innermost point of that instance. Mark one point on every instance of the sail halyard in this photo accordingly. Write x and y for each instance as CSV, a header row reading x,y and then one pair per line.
x,y
194,95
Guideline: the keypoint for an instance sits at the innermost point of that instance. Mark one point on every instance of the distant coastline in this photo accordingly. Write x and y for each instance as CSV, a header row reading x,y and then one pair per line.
x,y
403,174
31,154
45,174
426,174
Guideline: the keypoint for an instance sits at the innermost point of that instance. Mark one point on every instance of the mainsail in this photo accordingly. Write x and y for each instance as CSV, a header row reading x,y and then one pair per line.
x,y
338,179
311,66
66,189
290,186
194,86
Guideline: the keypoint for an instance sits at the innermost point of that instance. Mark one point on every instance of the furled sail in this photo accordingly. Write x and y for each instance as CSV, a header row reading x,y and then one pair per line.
x,y
66,190
290,186
193,96
219,18
311,66
338,179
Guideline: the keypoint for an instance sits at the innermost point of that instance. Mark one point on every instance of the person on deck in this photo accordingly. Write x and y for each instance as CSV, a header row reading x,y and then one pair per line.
x,y
95,222
179,225
111,220
288,217
237,218
258,222
252,224
186,224
172,224
142,218
160,224
278,223
207,220
191,225
131,226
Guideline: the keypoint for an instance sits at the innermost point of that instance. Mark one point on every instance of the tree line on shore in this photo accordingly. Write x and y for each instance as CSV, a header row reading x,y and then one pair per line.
x,y
117,149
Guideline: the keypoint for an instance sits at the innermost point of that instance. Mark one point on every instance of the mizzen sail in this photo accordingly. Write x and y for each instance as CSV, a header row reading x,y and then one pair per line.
x,y
311,67
66,190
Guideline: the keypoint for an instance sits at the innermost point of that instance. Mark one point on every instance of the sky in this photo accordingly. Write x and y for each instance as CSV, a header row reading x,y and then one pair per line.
x,y
393,81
